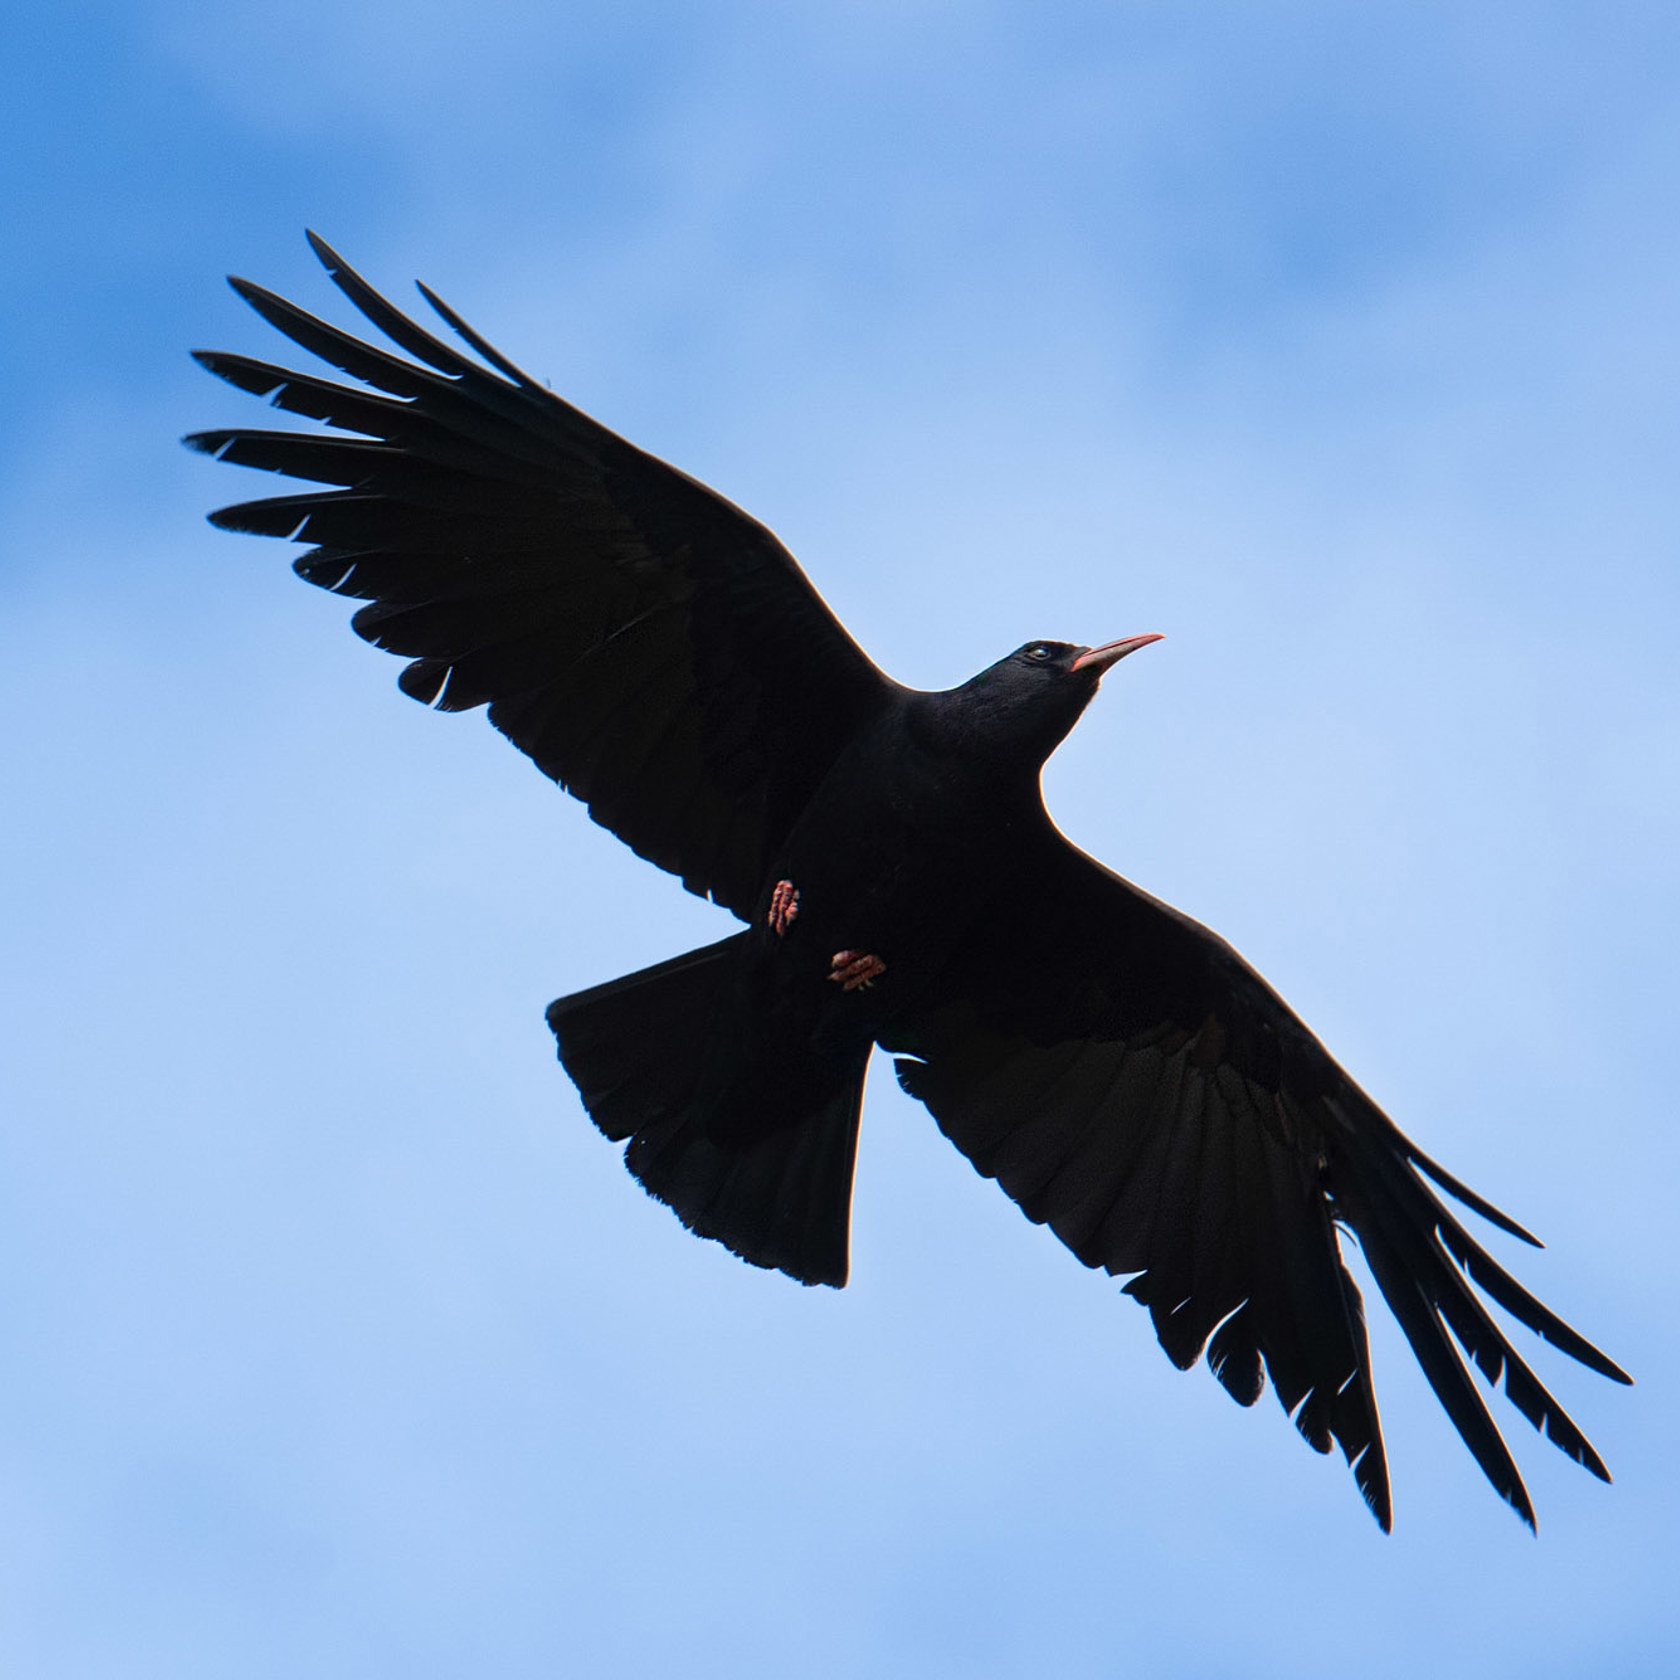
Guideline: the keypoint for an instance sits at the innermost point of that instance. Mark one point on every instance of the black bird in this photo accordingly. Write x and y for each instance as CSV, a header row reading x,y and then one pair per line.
x,y
1124,1075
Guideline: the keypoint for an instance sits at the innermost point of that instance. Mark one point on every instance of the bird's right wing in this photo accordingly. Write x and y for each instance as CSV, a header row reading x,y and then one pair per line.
x,y
651,647
1131,1082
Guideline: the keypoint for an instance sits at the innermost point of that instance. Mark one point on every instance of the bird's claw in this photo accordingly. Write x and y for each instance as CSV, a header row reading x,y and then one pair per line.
x,y
854,970
784,906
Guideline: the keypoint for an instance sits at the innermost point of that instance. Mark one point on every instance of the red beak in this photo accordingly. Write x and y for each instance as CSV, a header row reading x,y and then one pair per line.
x,y
1098,659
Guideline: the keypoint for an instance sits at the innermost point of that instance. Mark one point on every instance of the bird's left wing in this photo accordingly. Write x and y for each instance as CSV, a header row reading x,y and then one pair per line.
x,y
653,648
1131,1082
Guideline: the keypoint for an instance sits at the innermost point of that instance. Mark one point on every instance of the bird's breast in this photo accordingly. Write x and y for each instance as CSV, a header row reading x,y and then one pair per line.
x,y
894,858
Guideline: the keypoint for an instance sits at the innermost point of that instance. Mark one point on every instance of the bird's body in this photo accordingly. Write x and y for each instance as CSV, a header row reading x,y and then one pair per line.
x,y
1126,1077
927,826
900,852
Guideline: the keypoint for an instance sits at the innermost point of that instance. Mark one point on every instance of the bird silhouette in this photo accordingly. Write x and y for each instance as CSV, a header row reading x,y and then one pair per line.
x,y
1123,1074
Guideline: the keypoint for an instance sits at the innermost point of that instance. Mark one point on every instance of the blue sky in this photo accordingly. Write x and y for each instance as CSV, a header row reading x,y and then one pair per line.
x,y
1337,343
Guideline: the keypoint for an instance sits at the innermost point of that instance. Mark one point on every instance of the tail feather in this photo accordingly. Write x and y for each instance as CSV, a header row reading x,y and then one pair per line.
x,y
773,1187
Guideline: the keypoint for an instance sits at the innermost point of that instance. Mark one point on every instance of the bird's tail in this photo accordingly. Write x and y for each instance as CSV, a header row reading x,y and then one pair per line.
x,y
763,1166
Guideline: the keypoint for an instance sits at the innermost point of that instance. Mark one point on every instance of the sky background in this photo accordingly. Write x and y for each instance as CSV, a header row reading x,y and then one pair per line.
x,y
1336,342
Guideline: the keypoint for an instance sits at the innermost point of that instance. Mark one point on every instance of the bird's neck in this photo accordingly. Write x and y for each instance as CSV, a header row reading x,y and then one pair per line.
x,y
977,741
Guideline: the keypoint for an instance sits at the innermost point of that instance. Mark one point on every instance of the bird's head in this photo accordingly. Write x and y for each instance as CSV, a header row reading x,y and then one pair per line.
x,y
1025,704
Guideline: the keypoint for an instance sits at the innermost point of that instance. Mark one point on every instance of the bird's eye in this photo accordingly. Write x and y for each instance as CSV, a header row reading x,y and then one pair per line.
x,y
1038,653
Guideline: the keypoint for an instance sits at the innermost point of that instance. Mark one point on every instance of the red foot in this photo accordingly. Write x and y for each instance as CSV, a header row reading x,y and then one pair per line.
x,y
784,906
851,970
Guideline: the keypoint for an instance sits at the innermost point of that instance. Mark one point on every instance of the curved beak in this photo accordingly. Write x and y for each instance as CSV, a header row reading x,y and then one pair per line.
x,y
1098,659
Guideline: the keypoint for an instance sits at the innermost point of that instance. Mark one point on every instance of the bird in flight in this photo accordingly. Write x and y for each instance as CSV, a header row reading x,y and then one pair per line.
x,y
1120,1071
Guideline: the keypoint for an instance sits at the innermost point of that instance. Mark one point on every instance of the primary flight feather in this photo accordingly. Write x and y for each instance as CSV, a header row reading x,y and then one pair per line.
x,y
1124,1075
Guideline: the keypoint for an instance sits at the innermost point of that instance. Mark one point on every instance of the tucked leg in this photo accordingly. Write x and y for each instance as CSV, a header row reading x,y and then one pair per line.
x,y
784,906
850,970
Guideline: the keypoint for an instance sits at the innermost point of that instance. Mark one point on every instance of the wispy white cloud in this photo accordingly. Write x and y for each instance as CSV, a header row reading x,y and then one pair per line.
x,y
1334,342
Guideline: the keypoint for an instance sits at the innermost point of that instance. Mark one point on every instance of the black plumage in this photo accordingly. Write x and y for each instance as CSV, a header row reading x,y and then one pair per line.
x,y
1120,1071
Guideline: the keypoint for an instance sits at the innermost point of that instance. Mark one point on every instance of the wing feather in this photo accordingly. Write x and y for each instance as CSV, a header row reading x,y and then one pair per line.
x,y
1130,1081
652,648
